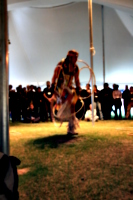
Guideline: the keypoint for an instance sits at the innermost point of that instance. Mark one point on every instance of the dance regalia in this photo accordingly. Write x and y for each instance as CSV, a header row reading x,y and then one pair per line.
x,y
62,82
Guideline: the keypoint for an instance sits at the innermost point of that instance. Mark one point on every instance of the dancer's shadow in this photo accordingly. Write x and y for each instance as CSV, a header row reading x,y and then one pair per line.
x,y
52,141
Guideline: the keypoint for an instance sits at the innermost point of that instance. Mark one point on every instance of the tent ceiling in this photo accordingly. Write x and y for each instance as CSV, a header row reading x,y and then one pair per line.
x,y
117,4
121,7
48,26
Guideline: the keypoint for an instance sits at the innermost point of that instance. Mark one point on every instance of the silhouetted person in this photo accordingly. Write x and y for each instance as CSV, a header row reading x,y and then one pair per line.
x,y
19,103
117,95
10,103
86,95
130,104
39,103
31,93
106,101
47,93
97,102
126,98
25,103
13,105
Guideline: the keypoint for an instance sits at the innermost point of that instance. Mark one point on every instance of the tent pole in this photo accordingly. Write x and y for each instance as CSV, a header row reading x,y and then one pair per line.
x,y
102,7
4,96
91,52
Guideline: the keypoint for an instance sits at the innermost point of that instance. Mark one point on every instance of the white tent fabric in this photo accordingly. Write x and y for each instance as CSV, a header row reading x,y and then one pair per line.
x,y
121,4
41,36
127,20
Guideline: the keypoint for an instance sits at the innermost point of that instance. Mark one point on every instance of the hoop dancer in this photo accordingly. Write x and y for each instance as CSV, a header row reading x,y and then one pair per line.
x,y
65,93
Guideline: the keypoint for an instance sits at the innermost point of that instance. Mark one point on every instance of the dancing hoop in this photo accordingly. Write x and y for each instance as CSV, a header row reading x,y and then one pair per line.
x,y
65,118
92,75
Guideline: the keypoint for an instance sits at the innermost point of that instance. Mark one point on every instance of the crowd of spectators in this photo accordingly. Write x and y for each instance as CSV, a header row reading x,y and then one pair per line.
x,y
32,104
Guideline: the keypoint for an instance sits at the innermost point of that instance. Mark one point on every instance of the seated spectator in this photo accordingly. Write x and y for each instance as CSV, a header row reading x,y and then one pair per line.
x,y
88,114
31,114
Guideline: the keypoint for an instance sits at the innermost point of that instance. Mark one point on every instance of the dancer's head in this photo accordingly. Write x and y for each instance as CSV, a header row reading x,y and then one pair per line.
x,y
72,56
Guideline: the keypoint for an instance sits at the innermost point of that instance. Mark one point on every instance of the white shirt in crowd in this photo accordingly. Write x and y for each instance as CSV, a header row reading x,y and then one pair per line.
x,y
88,114
117,94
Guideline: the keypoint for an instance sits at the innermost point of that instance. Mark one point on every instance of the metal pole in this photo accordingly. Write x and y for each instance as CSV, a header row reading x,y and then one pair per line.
x,y
91,52
103,44
4,96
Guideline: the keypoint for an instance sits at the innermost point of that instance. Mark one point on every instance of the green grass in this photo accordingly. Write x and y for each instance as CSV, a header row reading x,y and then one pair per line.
x,y
95,165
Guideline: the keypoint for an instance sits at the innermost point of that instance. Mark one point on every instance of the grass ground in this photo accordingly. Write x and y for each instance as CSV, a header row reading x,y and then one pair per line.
x,y
95,165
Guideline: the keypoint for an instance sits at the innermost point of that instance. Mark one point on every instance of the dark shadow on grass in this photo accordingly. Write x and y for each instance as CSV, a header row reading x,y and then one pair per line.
x,y
52,141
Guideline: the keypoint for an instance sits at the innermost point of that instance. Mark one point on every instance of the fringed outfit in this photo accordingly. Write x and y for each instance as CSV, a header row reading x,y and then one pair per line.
x,y
62,82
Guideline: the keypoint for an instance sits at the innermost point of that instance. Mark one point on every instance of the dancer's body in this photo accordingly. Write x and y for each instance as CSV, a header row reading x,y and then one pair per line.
x,y
62,80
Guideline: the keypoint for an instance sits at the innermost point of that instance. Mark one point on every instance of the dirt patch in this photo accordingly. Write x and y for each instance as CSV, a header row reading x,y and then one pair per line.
x,y
130,134
15,133
23,171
